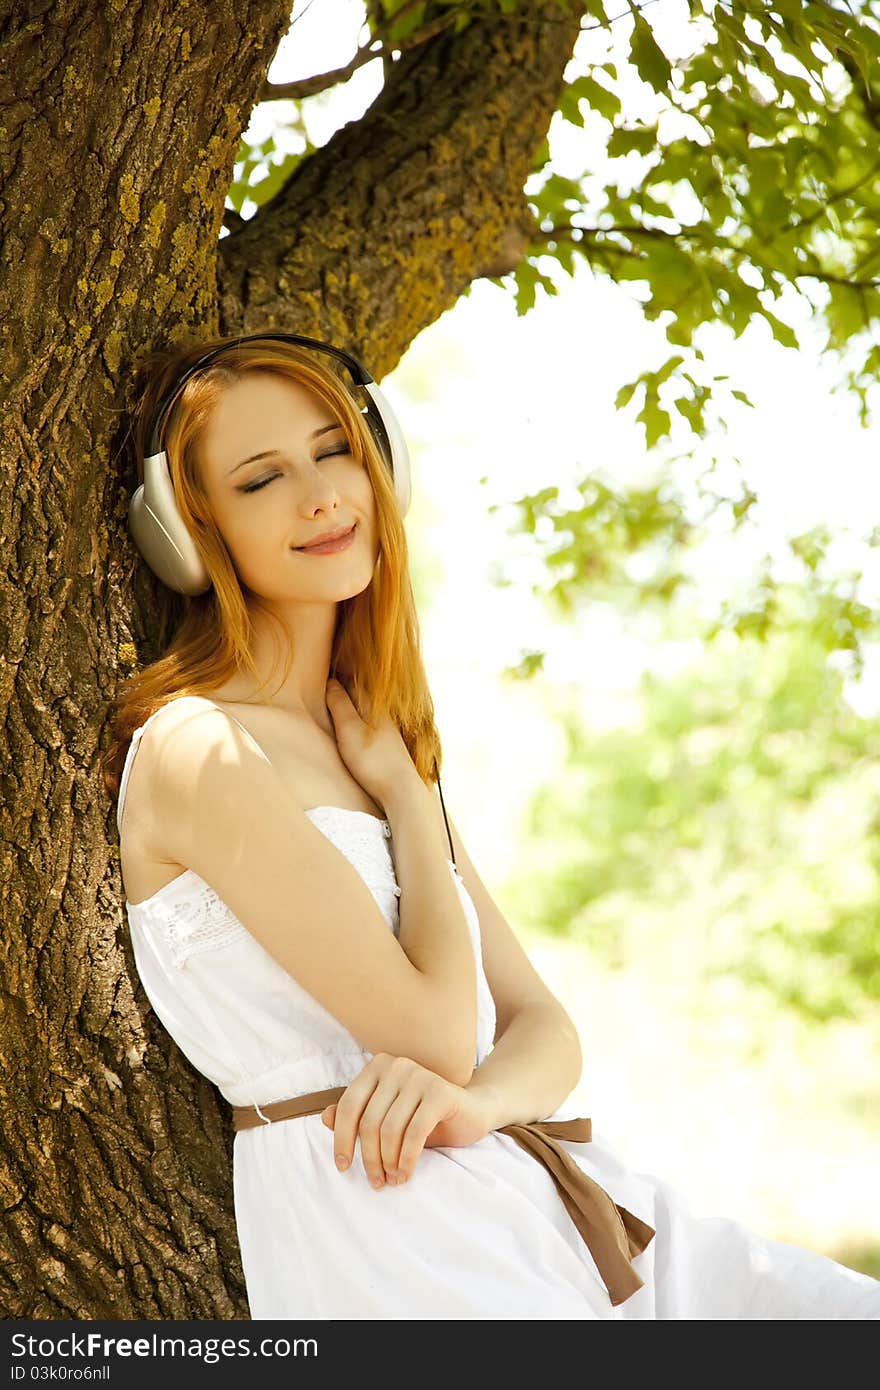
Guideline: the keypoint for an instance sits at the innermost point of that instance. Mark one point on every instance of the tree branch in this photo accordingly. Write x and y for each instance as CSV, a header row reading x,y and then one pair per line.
x,y
382,46
382,229
310,86
233,220
596,236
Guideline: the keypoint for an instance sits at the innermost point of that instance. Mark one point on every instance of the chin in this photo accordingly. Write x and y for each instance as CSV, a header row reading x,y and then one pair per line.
x,y
359,588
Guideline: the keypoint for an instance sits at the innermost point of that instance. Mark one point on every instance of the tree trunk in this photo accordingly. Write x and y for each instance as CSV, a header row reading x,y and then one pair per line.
x,y
116,155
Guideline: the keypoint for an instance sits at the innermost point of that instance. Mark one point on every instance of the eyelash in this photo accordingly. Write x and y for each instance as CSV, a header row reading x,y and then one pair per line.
x,y
263,482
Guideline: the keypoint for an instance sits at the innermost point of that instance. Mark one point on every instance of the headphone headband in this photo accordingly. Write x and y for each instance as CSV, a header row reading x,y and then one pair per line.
x,y
358,371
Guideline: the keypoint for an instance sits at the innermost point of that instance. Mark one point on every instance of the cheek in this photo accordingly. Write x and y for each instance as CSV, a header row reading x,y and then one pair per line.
x,y
364,497
254,536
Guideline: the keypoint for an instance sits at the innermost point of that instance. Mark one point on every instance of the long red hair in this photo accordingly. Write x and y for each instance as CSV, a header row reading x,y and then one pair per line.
x,y
377,646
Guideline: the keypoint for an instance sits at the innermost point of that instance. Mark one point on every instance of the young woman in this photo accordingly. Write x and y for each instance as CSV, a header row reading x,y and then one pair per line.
x,y
395,1064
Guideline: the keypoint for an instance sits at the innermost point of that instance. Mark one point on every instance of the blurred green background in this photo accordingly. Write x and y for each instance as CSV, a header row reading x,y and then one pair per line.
x,y
677,814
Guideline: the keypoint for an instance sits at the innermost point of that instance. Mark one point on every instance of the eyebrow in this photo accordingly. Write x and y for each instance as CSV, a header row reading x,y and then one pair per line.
x,y
270,453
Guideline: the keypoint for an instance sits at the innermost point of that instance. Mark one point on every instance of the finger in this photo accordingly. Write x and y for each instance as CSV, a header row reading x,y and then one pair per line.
x,y
370,1131
349,1109
328,1115
423,1120
393,1129
383,1120
338,701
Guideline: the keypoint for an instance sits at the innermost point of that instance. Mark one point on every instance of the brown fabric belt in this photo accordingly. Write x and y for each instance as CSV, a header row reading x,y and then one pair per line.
x,y
613,1235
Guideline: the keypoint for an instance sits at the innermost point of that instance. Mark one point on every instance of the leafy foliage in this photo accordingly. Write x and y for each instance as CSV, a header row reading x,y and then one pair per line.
x,y
760,173
744,808
262,169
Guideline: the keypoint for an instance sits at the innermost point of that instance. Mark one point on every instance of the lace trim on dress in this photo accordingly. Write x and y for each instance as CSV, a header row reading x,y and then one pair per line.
x,y
200,922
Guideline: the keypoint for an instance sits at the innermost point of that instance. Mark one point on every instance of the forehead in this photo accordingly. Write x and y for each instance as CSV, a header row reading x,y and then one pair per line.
x,y
258,411
255,391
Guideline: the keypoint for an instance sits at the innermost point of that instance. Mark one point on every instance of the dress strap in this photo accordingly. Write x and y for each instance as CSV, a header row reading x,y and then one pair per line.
x,y
229,715
129,762
136,736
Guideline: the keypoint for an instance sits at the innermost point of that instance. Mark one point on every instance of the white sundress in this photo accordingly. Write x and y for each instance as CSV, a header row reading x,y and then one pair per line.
x,y
477,1232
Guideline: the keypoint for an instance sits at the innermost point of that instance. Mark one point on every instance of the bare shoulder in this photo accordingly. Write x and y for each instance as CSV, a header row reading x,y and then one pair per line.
x,y
178,735
187,751
183,717
143,816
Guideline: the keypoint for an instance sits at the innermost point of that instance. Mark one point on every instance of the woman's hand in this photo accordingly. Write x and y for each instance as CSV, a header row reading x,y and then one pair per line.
x,y
398,1107
377,758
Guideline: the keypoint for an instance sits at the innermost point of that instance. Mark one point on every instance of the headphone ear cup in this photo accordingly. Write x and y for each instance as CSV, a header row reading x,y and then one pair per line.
x,y
160,535
392,442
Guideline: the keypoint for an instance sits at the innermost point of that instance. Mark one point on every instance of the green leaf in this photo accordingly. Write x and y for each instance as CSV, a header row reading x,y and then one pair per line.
x,y
558,196
406,25
527,277
623,139
570,106
655,419
781,331
651,62
597,97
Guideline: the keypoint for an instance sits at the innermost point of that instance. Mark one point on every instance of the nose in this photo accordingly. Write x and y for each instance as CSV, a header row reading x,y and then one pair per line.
x,y
317,490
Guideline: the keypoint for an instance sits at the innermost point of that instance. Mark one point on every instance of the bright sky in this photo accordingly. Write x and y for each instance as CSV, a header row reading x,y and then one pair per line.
x,y
519,402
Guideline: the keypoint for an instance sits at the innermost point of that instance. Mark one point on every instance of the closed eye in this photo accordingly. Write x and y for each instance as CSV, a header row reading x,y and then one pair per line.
x,y
263,482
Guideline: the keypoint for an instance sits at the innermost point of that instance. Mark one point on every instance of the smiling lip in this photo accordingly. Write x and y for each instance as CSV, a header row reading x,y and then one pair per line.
x,y
339,542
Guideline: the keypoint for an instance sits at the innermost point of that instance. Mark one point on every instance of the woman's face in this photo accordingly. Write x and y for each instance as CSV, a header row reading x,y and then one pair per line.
x,y
306,484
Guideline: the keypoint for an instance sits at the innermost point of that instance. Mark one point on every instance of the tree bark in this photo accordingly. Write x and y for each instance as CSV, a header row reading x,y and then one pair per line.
x,y
119,132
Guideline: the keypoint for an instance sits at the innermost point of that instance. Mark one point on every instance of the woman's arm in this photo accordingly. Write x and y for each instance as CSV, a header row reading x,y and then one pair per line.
x,y
537,1059
533,1066
433,928
229,817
